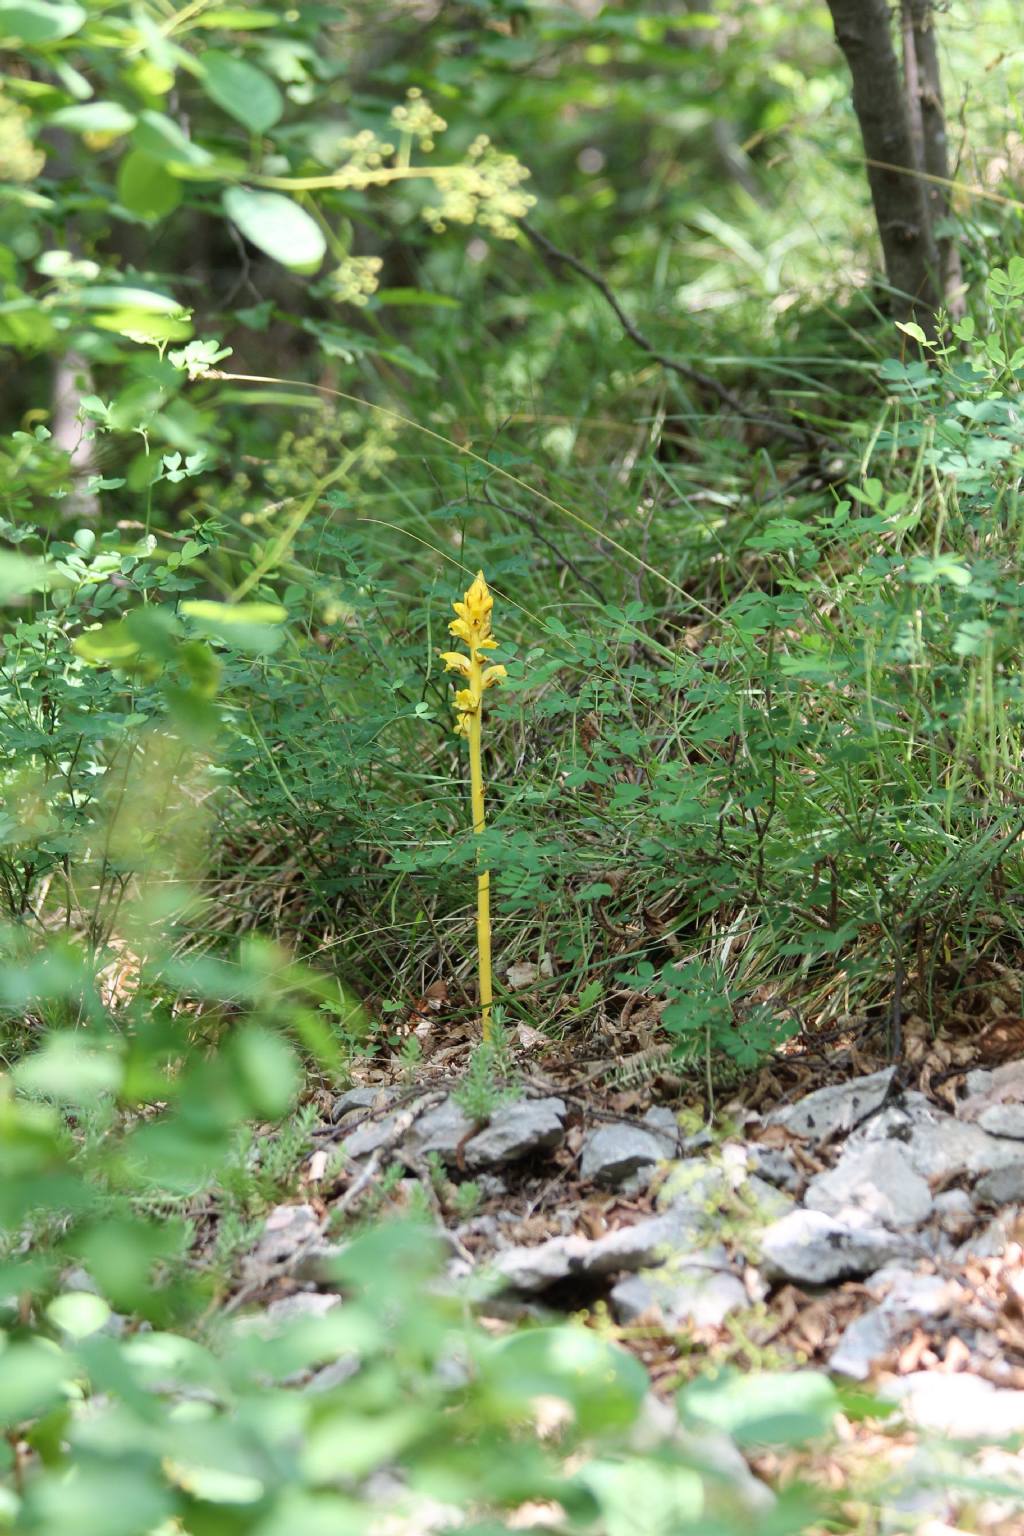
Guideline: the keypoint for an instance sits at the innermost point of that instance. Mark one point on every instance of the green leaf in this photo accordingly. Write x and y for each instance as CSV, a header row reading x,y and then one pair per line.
x,y
278,226
604,1386
109,645
94,117
416,296
237,18
145,187
267,1071
31,1377
78,1313
641,1498
241,90
161,138
771,1408
249,626
109,296
909,328
21,574
39,21
69,1071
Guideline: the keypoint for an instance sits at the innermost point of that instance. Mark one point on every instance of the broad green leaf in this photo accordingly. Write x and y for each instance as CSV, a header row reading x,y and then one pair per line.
x,y
78,1313
24,323
21,574
249,626
39,21
914,331
160,137
109,296
109,645
267,1072
770,1408
145,187
603,1384
278,226
237,18
643,1498
242,90
69,1071
94,117
31,1376
230,615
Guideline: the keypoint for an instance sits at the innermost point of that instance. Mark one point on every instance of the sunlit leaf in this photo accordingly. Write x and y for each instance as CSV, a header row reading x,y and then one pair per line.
x,y
278,226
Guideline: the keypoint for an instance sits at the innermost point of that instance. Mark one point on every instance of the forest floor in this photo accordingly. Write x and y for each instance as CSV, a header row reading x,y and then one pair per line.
x,y
837,1213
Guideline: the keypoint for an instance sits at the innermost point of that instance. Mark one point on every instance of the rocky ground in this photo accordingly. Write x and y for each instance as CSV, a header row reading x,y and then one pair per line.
x,y
864,1228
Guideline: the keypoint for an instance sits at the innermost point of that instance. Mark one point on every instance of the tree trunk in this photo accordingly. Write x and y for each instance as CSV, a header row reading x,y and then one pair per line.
x,y
863,32
928,123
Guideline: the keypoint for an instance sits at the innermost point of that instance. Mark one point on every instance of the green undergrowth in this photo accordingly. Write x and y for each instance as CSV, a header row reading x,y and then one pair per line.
x,y
756,762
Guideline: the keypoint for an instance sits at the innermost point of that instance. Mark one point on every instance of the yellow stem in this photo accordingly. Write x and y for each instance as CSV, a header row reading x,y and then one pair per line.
x,y
483,879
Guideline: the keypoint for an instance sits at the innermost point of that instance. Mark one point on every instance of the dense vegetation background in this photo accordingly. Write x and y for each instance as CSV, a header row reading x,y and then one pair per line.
x,y
307,315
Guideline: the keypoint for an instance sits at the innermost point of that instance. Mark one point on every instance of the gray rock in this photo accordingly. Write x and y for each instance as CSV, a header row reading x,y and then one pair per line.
x,y
1003,1186
700,1186
764,1202
938,1145
443,1130
814,1249
829,1111
334,1375
614,1153
773,1166
962,1407
908,1297
876,1178
288,1232
991,1242
868,1339
909,1291
516,1130
369,1137
1003,1120
663,1123
535,1269
358,1098
700,1292
954,1213
288,1309
646,1244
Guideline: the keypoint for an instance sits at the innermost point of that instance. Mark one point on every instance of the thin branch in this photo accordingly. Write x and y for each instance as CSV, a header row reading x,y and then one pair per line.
x,y
703,381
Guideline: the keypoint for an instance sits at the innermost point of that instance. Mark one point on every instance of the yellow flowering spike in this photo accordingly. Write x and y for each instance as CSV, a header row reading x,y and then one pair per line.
x,y
454,661
472,625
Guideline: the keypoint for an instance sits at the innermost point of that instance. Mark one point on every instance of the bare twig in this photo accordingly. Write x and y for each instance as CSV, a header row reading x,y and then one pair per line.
x,y
693,375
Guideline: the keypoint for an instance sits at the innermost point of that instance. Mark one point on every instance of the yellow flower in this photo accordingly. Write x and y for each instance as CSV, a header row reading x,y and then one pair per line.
x,y
472,625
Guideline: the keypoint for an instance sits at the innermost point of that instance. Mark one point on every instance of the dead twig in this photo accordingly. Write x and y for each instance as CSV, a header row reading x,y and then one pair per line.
x,y
802,435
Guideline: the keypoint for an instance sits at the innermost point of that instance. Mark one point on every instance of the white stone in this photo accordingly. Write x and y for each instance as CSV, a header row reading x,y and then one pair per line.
x,y
515,1130
829,1111
814,1249
614,1153
876,1178
1003,1120
441,1131
697,1294
962,1407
